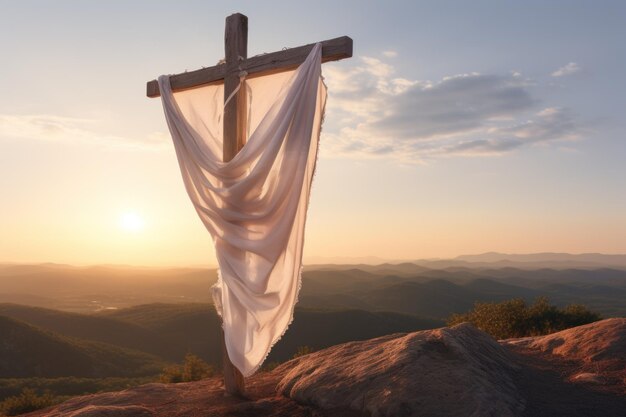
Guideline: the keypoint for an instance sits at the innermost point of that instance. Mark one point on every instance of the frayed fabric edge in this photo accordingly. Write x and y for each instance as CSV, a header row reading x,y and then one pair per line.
x,y
219,285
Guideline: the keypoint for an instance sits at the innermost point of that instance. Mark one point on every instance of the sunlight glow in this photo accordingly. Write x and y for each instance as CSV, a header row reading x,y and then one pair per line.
x,y
131,222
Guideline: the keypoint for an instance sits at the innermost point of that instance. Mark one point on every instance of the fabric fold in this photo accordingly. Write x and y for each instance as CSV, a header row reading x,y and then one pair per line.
x,y
255,205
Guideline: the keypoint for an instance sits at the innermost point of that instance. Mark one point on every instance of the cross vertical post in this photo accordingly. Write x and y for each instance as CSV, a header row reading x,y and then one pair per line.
x,y
236,51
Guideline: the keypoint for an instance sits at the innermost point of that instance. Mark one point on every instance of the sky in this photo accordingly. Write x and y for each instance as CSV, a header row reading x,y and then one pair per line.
x,y
457,127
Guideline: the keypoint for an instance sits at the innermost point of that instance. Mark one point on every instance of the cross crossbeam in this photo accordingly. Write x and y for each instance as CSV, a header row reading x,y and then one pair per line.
x,y
332,50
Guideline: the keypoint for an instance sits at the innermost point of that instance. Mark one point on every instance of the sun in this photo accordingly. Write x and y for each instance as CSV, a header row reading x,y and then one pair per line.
x,y
132,222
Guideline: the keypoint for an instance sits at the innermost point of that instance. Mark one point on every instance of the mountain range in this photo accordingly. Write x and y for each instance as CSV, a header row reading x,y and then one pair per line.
x,y
408,288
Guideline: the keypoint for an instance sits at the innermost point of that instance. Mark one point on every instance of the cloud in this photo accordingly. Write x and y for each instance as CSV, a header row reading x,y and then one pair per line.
x,y
376,114
455,104
390,54
548,124
373,113
67,129
566,70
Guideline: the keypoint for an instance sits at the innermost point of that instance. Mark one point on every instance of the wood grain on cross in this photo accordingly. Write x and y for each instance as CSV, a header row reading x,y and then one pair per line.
x,y
236,63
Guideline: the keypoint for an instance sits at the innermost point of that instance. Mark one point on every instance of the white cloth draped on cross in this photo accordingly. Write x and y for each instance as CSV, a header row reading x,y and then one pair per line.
x,y
255,205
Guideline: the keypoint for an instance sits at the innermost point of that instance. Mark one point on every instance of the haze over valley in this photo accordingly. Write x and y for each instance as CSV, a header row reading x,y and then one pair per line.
x,y
430,288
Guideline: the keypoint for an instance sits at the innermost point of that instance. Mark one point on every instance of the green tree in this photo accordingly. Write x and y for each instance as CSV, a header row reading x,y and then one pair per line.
x,y
578,314
171,374
192,369
514,318
302,350
26,402
195,369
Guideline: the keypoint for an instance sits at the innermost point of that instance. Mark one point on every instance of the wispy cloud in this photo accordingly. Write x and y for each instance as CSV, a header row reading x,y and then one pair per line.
x,y
74,130
376,114
566,70
548,124
390,54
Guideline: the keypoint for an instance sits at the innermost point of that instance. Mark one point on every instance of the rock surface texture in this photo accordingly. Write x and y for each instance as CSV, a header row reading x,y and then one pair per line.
x,y
593,354
457,371
599,348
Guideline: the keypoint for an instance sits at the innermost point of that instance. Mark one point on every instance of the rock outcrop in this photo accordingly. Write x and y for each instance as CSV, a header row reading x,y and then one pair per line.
x,y
593,354
192,399
457,371
597,342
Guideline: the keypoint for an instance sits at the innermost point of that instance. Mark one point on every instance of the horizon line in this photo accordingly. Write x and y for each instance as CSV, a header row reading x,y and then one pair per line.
x,y
330,260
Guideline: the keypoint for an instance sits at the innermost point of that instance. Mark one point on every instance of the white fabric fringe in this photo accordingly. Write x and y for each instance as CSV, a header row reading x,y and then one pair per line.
x,y
254,206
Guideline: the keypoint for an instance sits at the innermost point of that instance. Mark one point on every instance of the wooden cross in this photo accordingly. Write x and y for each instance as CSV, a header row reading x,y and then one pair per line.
x,y
236,61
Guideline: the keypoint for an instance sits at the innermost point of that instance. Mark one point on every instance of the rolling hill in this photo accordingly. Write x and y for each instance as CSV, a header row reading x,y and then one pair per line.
x,y
95,328
402,288
549,259
27,351
128,342
196,327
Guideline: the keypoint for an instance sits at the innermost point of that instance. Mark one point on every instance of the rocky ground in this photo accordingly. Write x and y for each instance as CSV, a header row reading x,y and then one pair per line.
x,y
457,371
